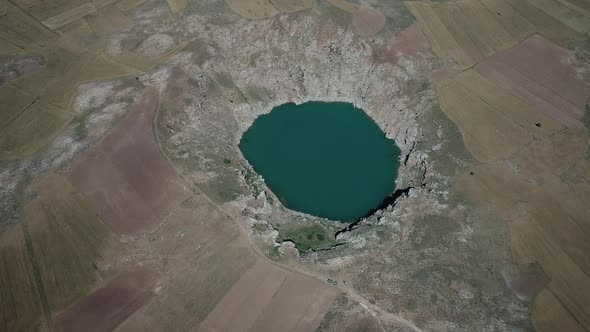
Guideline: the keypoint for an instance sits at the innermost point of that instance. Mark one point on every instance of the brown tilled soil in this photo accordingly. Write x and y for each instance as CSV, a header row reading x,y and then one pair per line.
x,y
539,72
125,177
268,298
20,304
109,306
67,241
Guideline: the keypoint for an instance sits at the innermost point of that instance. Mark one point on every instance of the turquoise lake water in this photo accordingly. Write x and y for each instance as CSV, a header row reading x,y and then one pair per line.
x,y
326,159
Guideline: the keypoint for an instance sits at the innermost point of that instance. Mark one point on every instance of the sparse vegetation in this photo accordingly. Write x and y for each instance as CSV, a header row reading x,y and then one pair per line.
x,y
308,238
253,180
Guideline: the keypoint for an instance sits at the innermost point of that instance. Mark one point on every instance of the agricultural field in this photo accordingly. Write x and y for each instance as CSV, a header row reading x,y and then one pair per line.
x,y
126,204
22,309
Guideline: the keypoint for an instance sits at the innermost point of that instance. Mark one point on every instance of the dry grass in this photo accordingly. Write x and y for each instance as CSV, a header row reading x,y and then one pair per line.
x,y
68,241
487,133
550,315
565,15
20,304
21,30
536,123
13,101
442,41
548,223
108,20
32,129
461,31
518,26
142,63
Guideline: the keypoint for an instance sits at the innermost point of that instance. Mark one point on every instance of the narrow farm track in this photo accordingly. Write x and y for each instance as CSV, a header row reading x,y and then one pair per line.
x,y
375,311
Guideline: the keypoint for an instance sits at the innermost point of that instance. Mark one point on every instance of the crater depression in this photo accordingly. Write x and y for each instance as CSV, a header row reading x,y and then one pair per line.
x,y
327,159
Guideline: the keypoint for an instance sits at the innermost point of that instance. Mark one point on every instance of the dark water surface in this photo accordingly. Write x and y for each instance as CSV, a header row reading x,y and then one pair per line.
x,y
326,159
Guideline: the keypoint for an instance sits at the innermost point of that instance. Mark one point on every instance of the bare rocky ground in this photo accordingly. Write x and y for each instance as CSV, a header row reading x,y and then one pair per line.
x,y
429,257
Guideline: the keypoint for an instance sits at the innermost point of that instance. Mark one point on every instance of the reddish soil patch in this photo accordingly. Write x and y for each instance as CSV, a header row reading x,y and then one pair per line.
x,y
410,41
125,177
367,21
268,298
539,72
109,306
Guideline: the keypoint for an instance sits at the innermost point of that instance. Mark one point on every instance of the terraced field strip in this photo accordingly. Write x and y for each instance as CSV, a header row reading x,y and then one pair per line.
x,y
13,102
580,6
109,306
36,104
517,25
146,64
544,23
32,129
21,308
464,32
247,298
43,10
487,132
485,30
67,241
550,315
547,222
549,65
69,16
452,18
568,282
299,305
565,15
22,31
443,42
537,72
536,123
264,295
